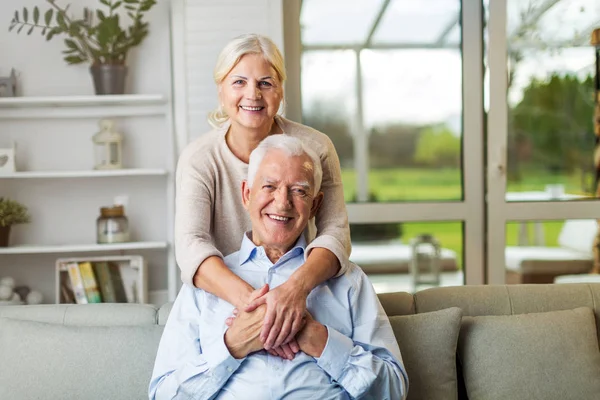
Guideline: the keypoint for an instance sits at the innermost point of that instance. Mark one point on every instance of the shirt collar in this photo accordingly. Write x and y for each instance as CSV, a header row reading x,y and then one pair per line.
x,y
248,249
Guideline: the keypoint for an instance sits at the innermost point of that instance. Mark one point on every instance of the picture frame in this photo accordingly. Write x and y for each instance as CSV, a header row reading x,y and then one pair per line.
x,y
7,161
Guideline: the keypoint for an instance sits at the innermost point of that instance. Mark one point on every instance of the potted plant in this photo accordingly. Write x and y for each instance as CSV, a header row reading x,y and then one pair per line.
x,y
11,213
96,38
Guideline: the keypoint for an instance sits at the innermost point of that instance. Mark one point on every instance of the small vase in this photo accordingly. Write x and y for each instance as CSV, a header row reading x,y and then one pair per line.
x,y
4,234
109,78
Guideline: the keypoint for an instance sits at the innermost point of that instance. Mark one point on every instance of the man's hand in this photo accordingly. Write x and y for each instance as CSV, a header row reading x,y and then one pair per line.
x,y
287,351
313,337
242,338
286,305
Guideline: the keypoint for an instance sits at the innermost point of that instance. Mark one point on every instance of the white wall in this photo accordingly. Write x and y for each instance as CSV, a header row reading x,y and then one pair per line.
x,y
202,29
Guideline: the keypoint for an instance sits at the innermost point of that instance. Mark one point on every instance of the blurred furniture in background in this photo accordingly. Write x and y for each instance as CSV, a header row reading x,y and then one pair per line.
x,y
540,264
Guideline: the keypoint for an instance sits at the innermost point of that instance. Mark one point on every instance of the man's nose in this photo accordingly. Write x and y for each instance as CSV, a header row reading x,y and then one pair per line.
x,y
282,198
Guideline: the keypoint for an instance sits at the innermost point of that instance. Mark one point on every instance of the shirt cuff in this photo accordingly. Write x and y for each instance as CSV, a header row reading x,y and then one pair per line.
x,y
336,353
219,359
335,247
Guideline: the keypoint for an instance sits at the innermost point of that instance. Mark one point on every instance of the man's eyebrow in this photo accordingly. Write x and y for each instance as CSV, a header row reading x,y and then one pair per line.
x,y
304,184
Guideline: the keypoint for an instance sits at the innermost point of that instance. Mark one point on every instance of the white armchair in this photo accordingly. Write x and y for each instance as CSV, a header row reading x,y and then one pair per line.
x,y
539,264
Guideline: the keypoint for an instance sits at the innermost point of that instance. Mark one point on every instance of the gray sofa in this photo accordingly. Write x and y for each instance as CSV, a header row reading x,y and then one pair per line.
x,y
494,342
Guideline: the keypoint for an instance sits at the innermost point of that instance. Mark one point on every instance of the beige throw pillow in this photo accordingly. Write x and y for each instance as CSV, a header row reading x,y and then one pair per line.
x,y
546,356
428,345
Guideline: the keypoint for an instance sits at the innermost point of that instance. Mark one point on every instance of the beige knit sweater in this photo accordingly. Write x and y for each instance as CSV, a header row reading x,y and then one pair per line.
x,y
210,218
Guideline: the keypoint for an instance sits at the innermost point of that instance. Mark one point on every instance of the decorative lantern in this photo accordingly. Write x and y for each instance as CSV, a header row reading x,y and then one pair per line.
x,y
107,146
426,255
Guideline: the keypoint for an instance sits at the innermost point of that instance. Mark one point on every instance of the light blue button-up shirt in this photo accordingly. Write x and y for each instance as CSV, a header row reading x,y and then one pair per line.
x,y
361,358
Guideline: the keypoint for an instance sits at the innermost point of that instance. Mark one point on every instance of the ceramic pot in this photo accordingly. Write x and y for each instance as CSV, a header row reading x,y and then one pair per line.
x,y
108,78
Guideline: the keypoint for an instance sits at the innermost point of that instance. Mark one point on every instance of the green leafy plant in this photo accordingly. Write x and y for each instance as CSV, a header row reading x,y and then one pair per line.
x,y
12,212
97,37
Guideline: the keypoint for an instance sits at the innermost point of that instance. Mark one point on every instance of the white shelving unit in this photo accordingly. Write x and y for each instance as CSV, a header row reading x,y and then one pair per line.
x,y
29,110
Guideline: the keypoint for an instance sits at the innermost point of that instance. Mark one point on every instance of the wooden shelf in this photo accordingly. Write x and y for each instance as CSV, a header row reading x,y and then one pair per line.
x,y
104,106
82,248
86,173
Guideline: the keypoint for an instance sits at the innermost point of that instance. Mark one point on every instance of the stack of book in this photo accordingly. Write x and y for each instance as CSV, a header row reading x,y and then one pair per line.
x,y
93,282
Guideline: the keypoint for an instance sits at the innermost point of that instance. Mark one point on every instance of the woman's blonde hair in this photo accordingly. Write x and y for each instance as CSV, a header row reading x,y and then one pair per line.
x,y
232,53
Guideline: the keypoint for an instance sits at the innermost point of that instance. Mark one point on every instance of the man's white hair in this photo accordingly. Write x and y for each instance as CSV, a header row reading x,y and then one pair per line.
x,y
290,145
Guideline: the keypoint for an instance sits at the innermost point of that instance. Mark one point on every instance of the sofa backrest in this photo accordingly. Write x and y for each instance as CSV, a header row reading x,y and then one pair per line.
x,y
492,300
101,351
578,235
95,351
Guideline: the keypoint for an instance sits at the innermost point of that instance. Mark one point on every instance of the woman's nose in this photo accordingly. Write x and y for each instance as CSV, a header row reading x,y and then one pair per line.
x,y
253,92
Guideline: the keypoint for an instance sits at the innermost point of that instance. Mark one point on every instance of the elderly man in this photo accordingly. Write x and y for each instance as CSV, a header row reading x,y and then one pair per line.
x,y
347,348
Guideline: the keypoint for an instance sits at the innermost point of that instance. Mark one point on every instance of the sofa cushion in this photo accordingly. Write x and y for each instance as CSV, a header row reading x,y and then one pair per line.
x,y
75,362
550,355
428,345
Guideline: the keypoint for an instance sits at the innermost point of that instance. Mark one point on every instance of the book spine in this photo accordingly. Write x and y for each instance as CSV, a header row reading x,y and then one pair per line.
x,y
117,280
105,282
89,283
77,283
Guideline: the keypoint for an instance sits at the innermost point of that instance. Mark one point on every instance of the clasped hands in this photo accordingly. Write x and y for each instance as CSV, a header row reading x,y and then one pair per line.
x,y
276,321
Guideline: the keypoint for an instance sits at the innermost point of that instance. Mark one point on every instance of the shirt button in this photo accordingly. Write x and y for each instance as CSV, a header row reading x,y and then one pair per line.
x,y
229,369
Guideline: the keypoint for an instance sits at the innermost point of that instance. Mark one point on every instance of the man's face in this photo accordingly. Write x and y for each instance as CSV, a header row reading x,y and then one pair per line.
x,y
281,200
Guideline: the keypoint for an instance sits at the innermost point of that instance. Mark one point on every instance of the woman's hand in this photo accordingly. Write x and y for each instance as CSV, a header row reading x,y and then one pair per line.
x,y
286,305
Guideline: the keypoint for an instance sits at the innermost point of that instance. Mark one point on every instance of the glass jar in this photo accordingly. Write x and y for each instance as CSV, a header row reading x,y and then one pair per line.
x,y
112,225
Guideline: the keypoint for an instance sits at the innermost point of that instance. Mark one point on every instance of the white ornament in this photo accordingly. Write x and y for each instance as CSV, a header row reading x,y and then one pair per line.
x,y
6,292
8,281
34,297
107,146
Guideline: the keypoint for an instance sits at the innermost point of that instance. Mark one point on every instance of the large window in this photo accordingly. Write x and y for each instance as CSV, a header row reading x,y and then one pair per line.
x,y
463,114
384,81
541,140
550,99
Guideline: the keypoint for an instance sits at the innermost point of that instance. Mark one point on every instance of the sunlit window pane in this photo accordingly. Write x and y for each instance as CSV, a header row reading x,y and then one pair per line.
x,y
386,253
393,114
550,99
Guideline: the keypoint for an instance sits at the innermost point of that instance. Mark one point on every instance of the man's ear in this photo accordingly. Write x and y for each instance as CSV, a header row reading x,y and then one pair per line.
x,y
317,201
245,194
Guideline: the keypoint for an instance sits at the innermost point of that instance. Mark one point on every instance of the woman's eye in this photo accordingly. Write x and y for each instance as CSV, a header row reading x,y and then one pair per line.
x,y
265,83
238,82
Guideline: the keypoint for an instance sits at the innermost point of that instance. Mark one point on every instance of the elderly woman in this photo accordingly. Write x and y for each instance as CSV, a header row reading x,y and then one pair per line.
x,y
210,217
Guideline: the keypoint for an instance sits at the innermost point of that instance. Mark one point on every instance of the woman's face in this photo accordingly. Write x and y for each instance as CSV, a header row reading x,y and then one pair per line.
x,y
251,94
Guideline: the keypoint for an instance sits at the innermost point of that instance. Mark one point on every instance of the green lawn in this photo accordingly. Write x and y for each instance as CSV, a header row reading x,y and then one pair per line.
x,y
445,184
404,184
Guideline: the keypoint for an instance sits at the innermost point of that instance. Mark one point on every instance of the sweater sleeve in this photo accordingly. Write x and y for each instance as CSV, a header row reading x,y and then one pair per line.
x,y
333,232
193,217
